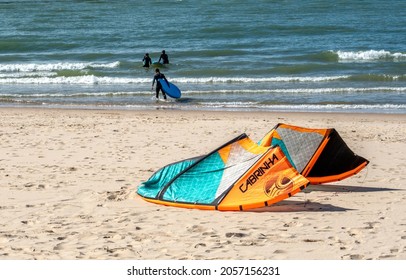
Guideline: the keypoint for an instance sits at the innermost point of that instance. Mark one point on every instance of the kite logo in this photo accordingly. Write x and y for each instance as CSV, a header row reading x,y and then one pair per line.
x,y
282,183
261,170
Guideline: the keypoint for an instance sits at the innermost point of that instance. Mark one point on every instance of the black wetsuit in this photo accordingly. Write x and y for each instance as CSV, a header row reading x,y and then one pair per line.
x,y
147,61
158,88
164,57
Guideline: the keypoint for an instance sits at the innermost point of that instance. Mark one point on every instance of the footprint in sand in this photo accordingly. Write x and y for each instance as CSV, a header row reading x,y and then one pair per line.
x,y
352,257
196,228
60,246
120,195
235,234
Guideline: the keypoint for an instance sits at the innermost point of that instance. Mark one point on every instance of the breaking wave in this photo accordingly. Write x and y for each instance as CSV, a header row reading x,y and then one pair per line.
x,y
34,67
370,55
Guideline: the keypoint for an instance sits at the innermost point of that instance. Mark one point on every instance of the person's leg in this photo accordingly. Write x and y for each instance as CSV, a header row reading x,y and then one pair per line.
x,y
157,92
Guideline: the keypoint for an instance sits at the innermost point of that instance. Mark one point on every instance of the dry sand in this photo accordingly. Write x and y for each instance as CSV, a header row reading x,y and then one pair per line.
x,y
68,181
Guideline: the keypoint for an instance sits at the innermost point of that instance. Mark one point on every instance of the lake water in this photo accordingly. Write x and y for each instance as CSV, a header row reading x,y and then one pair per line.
x,y
323,56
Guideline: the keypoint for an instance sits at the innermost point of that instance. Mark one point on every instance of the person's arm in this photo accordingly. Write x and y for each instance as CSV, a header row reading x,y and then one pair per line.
x,y
153,82
166,80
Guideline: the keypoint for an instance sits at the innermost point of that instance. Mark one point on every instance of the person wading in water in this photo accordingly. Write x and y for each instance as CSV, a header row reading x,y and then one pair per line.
x,y
158,75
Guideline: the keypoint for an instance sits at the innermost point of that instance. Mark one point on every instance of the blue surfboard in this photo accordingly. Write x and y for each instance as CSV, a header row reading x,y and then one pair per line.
x,y
170,89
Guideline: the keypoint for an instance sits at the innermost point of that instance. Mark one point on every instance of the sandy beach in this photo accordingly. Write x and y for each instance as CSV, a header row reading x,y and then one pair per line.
x,y
68,181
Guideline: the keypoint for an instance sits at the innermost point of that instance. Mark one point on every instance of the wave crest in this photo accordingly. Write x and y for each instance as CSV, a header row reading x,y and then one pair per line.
x,y
370,55
31,67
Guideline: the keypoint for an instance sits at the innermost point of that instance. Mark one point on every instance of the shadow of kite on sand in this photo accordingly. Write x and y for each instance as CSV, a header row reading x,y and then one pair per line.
x,y
341,188
312,206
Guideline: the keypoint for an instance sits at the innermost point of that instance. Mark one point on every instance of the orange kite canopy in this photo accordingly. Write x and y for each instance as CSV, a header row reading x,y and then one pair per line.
x,y
242,174
320,155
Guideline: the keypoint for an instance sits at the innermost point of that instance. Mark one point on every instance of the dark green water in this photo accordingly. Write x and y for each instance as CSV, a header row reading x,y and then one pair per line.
x,y
229,55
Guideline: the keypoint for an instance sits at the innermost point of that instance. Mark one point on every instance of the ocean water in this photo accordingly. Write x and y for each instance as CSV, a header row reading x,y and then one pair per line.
x,y
323,56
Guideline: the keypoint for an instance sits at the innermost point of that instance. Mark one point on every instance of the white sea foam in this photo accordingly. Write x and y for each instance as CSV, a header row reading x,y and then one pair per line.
x,y
19,75
42,77
306,107
299,90
87,80
370,55
257,80
75,94
91,79
31,67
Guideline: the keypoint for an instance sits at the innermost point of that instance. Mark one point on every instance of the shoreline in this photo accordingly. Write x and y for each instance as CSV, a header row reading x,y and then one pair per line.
x,y
69,179
167,107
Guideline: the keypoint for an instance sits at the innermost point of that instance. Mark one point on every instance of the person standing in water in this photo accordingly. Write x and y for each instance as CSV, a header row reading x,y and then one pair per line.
x,y
146,60
164,57
158,75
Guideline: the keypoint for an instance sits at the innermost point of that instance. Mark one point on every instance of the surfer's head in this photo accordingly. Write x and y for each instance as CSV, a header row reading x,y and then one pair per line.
x,y
163,51
156,70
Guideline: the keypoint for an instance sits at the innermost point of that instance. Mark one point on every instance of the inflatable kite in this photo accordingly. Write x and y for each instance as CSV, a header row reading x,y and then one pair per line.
x,y
320,155
242,174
